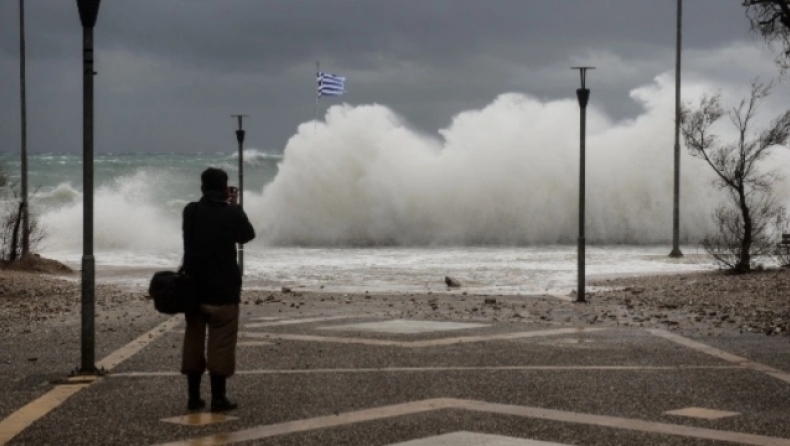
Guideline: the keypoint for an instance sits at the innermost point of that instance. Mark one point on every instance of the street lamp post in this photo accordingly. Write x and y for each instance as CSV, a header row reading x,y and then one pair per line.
x,y
240,133
583,95
89,10
676,202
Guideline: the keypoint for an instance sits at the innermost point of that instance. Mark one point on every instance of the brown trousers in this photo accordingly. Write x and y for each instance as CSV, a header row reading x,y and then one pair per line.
x,y
223,330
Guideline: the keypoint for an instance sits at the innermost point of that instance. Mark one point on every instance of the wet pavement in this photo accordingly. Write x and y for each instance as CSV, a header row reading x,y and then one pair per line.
x,y
318,378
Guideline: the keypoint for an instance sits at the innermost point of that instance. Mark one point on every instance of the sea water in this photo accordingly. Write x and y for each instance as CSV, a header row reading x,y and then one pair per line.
x,y
360,201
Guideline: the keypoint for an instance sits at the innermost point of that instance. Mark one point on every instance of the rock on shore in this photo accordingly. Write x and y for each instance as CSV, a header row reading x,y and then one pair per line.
x,y
756,302
30,297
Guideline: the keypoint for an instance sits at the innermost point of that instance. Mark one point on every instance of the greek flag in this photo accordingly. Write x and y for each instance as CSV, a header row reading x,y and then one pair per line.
x,y
330,84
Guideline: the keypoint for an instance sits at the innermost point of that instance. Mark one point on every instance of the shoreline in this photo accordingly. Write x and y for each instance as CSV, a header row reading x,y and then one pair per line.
x,y
705,303
483,270
137,277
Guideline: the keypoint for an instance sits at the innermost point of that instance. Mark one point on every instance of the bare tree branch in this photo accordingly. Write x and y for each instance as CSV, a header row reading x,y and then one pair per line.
x,y
10,221
744,227
771,20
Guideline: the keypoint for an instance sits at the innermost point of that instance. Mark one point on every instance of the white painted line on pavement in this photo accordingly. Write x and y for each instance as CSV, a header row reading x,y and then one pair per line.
x,y
260,432
721,354
464,438
422,344
295,321
405,326
416,407
199,419
701,412
253,343
623,423
526,368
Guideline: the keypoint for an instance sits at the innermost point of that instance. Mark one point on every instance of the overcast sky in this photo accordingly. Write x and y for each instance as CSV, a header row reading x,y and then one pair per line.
x,y
171,72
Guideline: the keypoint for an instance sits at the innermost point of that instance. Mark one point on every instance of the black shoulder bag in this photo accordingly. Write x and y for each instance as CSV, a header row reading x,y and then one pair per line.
x,y
174,292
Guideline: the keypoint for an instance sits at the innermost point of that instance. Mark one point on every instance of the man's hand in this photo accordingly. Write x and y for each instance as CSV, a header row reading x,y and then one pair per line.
x,y
233,195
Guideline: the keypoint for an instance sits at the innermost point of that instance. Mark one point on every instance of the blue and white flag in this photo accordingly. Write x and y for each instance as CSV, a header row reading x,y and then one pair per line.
x,y
330,84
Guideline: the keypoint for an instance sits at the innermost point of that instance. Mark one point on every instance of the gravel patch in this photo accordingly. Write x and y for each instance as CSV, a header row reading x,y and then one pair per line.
x,y
758,302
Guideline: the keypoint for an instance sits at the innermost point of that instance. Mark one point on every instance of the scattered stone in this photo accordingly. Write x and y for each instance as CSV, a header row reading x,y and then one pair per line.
x,y
451,282
285,289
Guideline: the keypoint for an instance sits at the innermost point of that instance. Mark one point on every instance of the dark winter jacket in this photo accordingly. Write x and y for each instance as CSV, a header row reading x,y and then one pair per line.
x,y
211,229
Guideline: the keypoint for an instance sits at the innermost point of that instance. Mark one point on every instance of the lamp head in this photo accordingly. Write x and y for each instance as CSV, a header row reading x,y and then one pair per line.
x,y
583,74
89,10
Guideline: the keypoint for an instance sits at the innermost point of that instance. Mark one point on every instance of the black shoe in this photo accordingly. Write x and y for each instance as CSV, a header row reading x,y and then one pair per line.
x,y
194,401
197,404
220,402
222,405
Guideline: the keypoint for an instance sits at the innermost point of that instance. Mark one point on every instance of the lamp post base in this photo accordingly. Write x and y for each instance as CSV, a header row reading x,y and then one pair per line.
x,y
676,254
89,372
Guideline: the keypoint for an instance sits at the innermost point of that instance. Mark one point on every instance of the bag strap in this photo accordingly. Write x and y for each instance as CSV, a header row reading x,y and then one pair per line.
x,y
189,244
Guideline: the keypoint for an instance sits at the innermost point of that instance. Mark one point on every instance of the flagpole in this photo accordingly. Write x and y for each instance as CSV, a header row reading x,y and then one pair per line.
x,y
315,117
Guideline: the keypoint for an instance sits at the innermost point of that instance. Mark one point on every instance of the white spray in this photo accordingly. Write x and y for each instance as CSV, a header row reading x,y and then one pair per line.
x,y
506,174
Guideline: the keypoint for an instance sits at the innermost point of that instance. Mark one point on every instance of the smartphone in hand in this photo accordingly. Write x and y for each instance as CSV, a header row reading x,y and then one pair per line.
x,y
233,195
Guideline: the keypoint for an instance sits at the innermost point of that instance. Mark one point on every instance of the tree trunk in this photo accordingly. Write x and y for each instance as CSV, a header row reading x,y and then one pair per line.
x,y
15,234
744,258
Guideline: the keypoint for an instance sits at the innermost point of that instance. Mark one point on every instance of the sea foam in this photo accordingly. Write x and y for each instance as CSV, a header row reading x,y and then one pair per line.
x,y
127,216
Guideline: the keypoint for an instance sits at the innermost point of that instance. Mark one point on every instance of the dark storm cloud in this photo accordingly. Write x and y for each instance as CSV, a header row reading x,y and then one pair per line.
x,y
272,35
171,71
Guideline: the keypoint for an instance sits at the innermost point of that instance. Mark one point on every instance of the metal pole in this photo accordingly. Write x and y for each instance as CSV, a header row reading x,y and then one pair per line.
x,y
240,138
583,95
89,10
315,117
676,203
88,261
24,208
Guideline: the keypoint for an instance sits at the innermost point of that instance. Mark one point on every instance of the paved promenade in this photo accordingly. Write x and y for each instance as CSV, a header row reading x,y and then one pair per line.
x,y
366,378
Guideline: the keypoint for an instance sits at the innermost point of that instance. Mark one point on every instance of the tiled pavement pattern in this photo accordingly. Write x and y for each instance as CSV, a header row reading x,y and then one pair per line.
x,y
363,380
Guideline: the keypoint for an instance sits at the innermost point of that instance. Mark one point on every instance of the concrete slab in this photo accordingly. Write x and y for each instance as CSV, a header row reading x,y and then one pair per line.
x,y
199,419
403,326
474,439
277,323
701,412
252,343
569,342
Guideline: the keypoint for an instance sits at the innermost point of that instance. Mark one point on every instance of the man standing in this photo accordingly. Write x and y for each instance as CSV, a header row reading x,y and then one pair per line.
x,y
212,227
